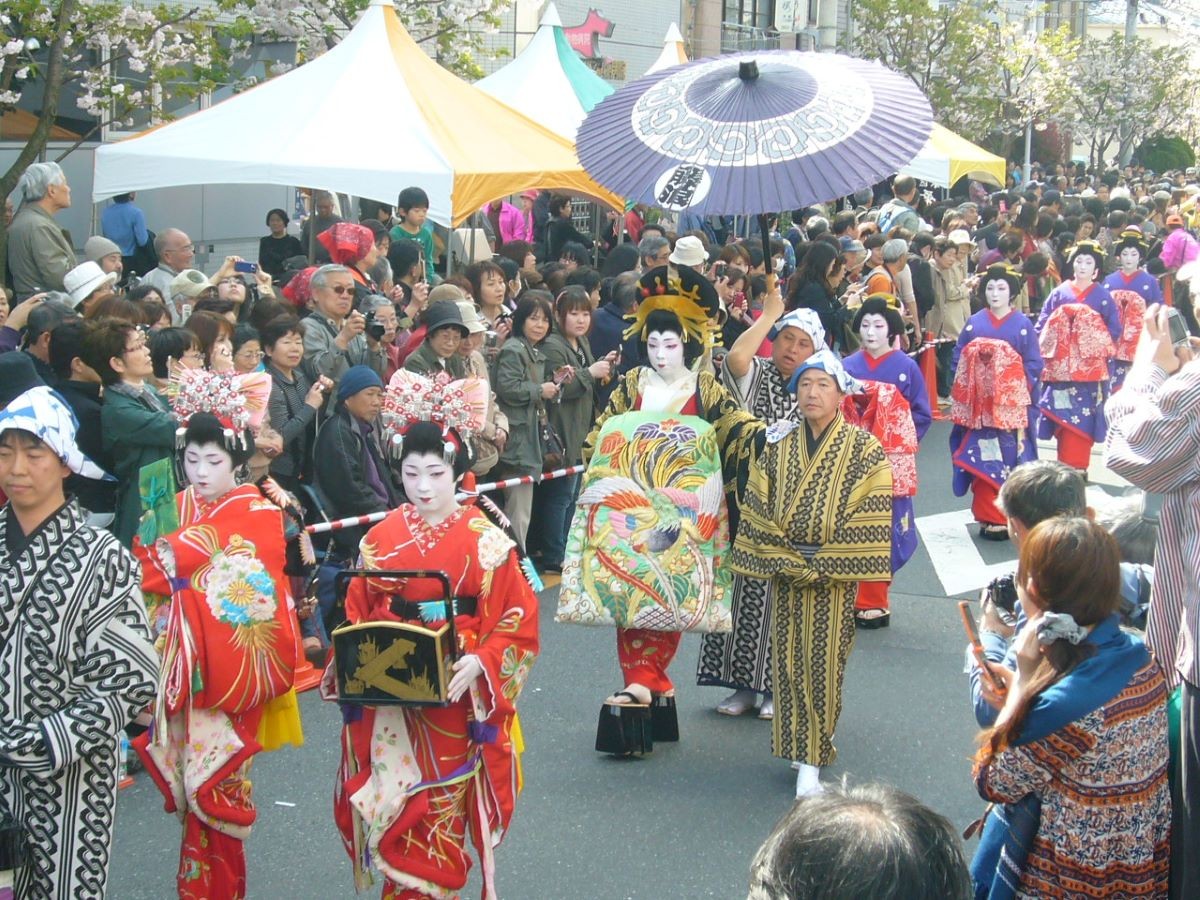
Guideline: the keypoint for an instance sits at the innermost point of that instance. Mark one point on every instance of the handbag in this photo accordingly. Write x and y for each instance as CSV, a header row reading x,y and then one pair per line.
x,y
554,451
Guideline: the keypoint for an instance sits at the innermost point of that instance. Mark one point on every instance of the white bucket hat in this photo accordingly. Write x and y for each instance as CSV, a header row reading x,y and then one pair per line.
x,y
689,251
85,279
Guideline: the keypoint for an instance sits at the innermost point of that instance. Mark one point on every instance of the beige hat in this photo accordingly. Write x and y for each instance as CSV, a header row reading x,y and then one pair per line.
x,y
189,283
446,292
85,279
471,317
960,236
97,247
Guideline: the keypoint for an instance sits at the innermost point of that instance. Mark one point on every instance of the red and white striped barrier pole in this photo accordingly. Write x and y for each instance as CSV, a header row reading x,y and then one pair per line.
x,y
372,518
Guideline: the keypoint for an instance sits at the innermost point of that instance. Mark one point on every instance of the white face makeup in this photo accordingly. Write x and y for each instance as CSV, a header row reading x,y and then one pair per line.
x,y
665,350
429,485
1130,258
874,333
998,295
209,469
1085,268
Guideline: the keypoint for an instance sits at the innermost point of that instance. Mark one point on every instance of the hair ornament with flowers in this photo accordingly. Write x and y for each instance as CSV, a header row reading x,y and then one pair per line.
x,y
238,402
458,407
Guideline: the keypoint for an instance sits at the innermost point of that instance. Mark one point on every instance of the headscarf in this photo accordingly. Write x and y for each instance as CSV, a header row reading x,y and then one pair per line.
x,y
299,289
806,320
42,413
347,242
827,361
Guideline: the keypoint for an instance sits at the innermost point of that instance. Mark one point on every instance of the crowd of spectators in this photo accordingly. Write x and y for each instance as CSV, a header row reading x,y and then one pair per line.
x,y
332,314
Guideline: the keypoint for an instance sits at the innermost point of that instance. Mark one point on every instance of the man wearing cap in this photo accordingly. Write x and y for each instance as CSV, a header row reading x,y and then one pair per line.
x,y
438,353
76,660
741,659
186,290
352,477
816,519
105,254
88,284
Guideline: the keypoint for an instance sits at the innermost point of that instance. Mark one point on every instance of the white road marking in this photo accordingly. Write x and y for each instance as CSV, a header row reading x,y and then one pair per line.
x,y
955,558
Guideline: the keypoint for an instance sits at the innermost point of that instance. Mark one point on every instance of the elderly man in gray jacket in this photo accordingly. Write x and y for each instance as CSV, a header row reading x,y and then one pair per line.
x,y
39,250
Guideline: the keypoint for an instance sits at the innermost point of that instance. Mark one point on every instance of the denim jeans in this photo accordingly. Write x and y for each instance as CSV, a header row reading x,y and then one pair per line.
x,y
553,507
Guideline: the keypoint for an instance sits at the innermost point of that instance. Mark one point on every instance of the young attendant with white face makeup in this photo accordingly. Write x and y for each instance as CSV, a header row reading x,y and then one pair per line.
x,y
997,355
893,390
1133,290
210,470
1078,327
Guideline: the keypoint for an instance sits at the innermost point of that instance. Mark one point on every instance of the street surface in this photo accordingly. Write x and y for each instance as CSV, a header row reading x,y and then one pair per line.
x,y
683,823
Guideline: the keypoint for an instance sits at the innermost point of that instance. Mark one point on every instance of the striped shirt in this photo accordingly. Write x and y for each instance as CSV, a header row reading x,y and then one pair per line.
x,y
1154,441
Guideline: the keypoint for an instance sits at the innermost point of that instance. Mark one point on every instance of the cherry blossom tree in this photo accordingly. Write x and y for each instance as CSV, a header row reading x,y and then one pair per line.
x,y
1145,89
125,62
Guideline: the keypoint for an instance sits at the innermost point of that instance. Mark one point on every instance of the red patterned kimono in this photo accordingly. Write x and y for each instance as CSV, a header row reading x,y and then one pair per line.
x,y
230,649
1077,348
413,779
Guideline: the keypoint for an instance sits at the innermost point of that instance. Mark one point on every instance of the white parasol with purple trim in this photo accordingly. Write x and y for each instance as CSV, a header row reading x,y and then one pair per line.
x,y
754,132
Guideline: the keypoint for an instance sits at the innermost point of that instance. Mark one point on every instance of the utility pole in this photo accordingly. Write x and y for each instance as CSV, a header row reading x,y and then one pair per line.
x,y
1131,20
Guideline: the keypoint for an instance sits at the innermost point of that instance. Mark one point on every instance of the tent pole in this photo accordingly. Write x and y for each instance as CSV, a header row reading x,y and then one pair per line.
x,y
596,235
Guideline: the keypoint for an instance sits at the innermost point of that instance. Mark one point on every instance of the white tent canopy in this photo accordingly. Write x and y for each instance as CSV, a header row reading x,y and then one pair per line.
x,y
673,52
320,126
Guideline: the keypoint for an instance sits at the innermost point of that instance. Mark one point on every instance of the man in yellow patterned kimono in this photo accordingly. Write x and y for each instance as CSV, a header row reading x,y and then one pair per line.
x,y
816,518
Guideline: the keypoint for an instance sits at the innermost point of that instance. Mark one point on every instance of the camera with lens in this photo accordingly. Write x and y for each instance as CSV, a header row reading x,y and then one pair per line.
x,y
374,329
1003,593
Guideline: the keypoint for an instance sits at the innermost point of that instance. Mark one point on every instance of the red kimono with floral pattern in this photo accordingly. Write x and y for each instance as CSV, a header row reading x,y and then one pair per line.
x,y
414,779
1133,314
990,388
882,410
230,648
1075,345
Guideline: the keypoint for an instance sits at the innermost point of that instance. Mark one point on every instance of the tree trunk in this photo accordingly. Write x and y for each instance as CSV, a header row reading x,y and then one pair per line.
x,y
41,132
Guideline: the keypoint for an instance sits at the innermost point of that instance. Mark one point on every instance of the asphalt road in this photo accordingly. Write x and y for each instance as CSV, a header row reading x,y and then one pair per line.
x,y
683,823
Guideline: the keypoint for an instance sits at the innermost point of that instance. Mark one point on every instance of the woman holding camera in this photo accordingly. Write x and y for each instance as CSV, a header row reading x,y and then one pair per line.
x,y
1080,742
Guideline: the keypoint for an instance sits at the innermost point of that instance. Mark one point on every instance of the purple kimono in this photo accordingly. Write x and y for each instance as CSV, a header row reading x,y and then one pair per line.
x,y
991,453
1077,405
898,369
1145,286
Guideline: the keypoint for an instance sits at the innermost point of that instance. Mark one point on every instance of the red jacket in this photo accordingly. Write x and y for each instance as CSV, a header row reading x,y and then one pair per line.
x,y
884,412
1133,310
1076,345
990,390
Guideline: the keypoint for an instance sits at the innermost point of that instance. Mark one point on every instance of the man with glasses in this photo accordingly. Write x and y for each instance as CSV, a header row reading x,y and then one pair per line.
x,y
335,335
654,251
176,252
138,426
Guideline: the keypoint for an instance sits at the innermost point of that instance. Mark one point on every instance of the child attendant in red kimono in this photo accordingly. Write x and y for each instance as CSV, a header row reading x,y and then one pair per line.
x,y
230,644
415,781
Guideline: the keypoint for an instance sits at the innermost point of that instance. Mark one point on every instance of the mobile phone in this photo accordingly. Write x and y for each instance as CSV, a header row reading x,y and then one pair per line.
x,y
719,270
185,311
1003,206
247,267
1178,328
985,672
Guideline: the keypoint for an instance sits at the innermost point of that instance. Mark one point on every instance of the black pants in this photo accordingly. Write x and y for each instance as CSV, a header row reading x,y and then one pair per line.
x,y
1185,825
945,377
